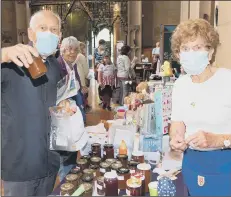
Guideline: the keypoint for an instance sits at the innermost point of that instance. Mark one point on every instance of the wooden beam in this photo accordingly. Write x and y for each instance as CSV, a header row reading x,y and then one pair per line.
x,y
87,10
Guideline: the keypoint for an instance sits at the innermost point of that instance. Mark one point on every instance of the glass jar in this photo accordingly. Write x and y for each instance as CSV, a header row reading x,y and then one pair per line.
x,y
67,189
82,164
88,189
76,170
116,166
87,157
100,186
104,167
108,151
140,175
73,179
95,160
133,187
133,166
110,161
96,170
87,178
96,150
111,184
88,171
123,174
138,156
123,159
37,68
146,170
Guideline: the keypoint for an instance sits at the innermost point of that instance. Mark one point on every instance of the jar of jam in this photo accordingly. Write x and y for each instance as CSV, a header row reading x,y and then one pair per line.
x,y
37,68
88,189
116,166
100,186
82,164
110,161
146,170
95,160
123,159
108,151
67,189
88,171
76,170
123,174
138,156
140,175
73,179
96,170
133,166
96,150
133,187
111,184
87,178
87,157
104,167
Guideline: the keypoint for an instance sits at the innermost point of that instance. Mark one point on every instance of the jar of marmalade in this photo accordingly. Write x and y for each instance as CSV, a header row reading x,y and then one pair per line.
x,y
73,179
104,167
88,189
108,151
110,161
37,68
138,156
123,159
82,164
96,150
133,166
95,168
88,178
123,174
95,160
133,187
116,166
67,189
87,157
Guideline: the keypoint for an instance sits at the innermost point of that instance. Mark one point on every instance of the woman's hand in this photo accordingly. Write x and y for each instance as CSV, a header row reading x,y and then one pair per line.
x,y
178,143
202,139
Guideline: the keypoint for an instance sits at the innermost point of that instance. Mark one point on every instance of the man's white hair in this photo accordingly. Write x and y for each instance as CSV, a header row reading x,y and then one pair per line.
x,y
33,18
69,42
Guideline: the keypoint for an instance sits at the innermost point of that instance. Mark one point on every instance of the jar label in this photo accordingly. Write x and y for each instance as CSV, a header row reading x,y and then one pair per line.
x,y
128,192
102,170
132,171
99,186
104,152
120,178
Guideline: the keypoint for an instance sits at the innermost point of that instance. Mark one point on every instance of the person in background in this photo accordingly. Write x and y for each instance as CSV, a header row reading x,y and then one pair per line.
x,y
156,58
83,70
28,166
69,50
201,111
124,67
106,78
182,72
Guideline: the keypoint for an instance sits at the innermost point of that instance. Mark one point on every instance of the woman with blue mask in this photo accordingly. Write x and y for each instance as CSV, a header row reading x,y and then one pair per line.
x,y
201,111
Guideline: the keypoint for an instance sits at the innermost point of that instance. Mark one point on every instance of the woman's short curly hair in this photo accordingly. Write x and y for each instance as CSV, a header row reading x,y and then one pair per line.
x,y
192,29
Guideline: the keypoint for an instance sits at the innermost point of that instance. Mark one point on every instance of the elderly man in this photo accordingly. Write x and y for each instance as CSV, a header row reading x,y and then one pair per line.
x,y
28,166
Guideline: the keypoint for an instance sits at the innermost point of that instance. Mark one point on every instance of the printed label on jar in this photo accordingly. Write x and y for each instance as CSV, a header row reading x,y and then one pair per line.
x,y
128,192
99,186
102,170
132,171
120,178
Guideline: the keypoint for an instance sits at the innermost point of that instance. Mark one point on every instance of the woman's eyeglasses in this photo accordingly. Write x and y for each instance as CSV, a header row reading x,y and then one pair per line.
x,y
194,48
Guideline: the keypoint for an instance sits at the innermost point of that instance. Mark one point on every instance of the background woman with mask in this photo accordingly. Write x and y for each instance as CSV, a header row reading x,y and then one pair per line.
x,y
201,111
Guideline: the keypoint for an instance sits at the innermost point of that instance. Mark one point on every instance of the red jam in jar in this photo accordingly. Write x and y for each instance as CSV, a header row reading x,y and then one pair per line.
x,y
108,151
111,184
100,186
96,150
133,187
123,159
138,156
123,174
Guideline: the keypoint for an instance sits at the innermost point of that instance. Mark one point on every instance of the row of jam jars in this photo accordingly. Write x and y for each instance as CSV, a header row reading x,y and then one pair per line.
x,y
111,184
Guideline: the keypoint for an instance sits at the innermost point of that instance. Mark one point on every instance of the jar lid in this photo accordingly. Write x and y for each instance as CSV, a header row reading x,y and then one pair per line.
x,y
87,187
137,153
108,145
71,177
94,167
116,165
67,186
123,171
85,157
122,156
96,159
75,170
81,161
144,166
133,163
87,177
100,179
96,144
110,175
104,165
88,171
110,161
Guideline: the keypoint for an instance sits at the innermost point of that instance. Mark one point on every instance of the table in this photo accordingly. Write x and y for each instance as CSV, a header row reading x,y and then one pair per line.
x,y
181,190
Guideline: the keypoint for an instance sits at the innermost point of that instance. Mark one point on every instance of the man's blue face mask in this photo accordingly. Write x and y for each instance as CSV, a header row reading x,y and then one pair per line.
x,y
46,43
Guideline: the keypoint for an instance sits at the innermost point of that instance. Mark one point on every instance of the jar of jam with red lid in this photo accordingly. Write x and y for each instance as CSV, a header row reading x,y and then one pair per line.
x,y
82,164
96,150
116,166
100,186
111,184
133,166
95,160
104,167
123,159
108,151
133,187
67,189
110,161
95,168
123,174
73,179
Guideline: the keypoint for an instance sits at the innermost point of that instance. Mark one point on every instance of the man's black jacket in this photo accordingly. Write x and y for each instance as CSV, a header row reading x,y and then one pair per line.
x,y
25,122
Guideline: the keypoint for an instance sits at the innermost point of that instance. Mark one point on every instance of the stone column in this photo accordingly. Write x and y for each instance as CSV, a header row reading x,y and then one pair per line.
x,y
184,15
116,29
194,9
